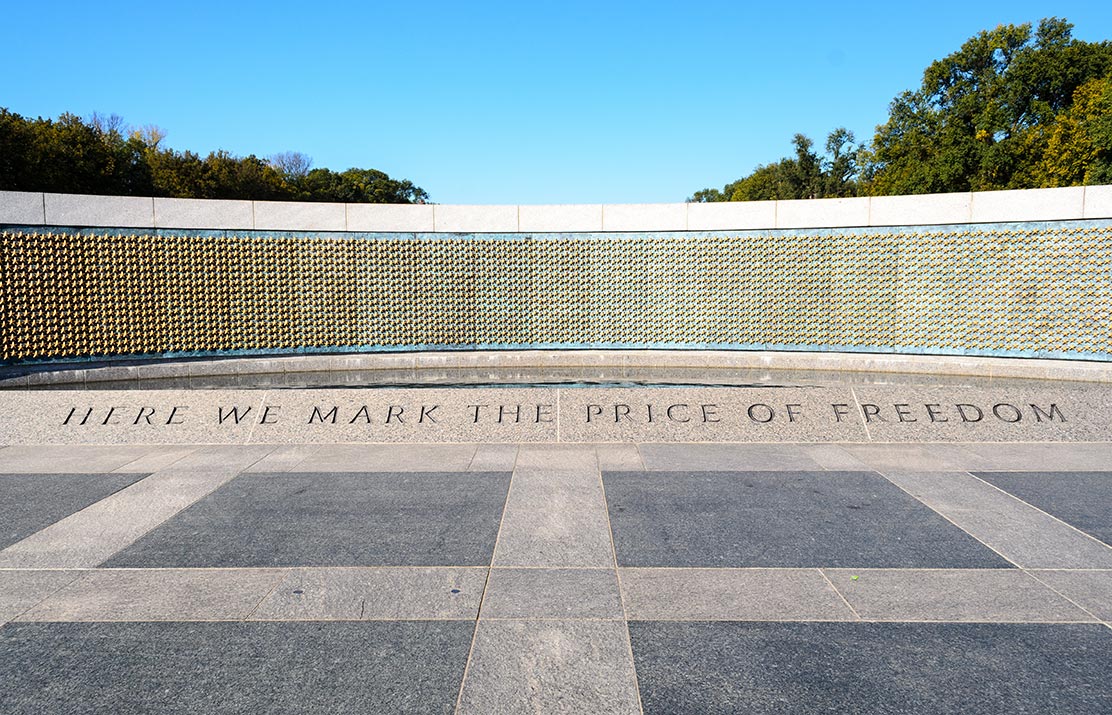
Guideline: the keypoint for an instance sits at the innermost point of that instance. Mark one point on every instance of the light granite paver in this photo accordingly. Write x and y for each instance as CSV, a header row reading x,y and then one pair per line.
x,y
682,594
353,594
974,595
533,667
1024,535
158,595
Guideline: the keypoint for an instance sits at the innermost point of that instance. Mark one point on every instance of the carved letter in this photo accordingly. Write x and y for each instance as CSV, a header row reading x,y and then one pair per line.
x,y
319,416
1039,414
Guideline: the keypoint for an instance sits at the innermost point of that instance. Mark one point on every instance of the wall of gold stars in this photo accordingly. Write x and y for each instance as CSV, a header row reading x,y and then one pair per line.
x,y
992,289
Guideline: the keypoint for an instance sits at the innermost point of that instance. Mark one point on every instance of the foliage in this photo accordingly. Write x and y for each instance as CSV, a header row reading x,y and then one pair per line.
x,y
102,156
1012,108
806,176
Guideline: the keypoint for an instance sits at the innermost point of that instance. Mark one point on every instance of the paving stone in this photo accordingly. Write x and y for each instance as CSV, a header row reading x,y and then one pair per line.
x,y
75,459
619,457
985,595
88,537
158,459
833,457
289,458
494,458
550,667
681,594
1047,456
780,519
1092,590
274,668
333,519
1021,533
32,502
1081,499
352,594
158,595
19,590
393,458
874,668
555,518
557,457
917,457
552,593
725,457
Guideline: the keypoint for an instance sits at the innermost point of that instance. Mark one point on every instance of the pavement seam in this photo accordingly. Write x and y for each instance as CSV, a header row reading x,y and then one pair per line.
x,y
842,596
144,455
281,578
947,518
1067,598
618,579
53,593
860,414
1041,511
486,582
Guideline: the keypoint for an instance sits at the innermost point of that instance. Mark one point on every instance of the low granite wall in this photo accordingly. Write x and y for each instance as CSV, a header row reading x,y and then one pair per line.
x,y
1011,273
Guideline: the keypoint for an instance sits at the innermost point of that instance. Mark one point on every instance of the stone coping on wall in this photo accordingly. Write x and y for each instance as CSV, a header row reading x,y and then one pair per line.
x,y
942,365
75,210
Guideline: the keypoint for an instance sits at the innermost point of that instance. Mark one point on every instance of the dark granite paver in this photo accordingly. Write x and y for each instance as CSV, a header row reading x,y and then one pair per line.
x,y
874,668
1081,499
31,502
333,519
785,519
274,668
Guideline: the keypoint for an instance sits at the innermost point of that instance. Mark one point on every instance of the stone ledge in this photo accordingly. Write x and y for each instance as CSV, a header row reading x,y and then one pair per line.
x,y
1069,203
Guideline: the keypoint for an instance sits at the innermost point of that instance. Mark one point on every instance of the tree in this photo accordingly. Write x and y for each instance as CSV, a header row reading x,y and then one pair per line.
x,y
1077,145
806,176
103,156
968,127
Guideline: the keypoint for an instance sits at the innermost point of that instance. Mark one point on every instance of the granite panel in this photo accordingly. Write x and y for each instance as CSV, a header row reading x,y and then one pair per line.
x,y
731,215
332,519
684,594
203,214
985,595
299,216
559,218
550,667
158,595
824,213
1098,202
475,219
921,209
780,519
1021,533
644,217
1081,499
875,668
1092,590
417,218
555,518
552,593
719,457
32,502
22,208
1028,205
20,590
111,211
382,594
70,459
274,668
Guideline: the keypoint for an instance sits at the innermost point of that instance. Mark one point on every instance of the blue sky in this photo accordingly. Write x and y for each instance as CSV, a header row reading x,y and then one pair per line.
x,y
524,102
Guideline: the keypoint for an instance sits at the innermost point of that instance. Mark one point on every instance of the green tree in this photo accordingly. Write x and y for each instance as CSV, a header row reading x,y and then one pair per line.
x,y
968,126
1076,148
807,175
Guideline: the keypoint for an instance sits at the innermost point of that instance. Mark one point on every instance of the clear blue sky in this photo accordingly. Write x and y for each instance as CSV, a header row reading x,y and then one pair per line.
x,y
508,102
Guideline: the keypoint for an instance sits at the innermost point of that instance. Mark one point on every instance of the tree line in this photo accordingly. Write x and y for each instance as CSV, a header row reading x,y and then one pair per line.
x,y
102,155
1013,108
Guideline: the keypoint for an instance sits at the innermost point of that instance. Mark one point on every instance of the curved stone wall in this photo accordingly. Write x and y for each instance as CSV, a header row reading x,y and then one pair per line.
x,y
1002,273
